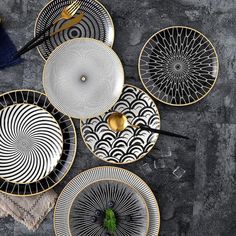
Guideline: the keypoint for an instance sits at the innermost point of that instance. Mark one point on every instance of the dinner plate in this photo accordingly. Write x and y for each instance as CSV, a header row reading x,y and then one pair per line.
x,y
31,143
83,78
37,160
76,185
96,23
131,144
96,202
178,66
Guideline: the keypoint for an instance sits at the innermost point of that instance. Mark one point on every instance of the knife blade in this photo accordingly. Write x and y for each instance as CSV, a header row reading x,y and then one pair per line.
x,y
69,24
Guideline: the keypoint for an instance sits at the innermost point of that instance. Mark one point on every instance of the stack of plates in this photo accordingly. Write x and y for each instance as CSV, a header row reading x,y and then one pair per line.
x,y
37,143
80,207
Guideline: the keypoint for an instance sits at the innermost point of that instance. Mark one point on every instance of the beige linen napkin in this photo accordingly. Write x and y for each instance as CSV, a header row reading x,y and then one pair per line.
x,y
30,211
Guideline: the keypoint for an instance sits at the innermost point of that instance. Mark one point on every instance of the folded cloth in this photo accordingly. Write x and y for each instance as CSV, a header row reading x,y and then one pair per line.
x,y
7,50
30,211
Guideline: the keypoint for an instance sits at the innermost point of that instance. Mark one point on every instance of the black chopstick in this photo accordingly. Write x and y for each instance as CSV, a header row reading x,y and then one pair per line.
x,y
34,45
144,127
40,34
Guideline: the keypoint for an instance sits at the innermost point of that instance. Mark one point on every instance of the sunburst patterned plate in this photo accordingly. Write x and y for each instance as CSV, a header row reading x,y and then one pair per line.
x,y
37,143
105,173
132,144
178,66
88,210
96,23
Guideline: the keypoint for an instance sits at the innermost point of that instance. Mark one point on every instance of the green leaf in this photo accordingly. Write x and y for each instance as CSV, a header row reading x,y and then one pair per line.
x,y
110,222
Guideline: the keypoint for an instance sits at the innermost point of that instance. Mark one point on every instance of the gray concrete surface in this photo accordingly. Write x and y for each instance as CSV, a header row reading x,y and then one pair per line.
x,y
202,202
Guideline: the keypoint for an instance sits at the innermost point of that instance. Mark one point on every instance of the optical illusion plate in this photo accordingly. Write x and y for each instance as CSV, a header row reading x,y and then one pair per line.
x,y
83,78
129,145
178,66
76,185
50,171
87,211
30,143
96,23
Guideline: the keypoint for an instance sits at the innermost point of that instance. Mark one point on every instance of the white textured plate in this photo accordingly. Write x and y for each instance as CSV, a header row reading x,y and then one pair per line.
x,y
83,78
30,143
67,196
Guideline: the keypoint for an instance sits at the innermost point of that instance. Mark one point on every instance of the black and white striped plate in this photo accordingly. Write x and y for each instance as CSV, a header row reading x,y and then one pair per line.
x,y
31,143
87,211
37,143
96,23
108,173
131,144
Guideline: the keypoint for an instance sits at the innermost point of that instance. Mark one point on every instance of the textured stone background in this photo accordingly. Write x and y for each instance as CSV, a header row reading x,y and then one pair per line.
x,y
202,203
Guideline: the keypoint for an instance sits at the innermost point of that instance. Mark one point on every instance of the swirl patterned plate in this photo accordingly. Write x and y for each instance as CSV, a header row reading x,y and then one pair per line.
x,y
96,23
131,144
88,210
178,66
30,143
62,212
89,83
37,143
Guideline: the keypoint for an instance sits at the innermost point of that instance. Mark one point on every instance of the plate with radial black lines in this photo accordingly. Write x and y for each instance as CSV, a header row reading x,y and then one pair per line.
x,y
178,66
96,23
37,143
88,210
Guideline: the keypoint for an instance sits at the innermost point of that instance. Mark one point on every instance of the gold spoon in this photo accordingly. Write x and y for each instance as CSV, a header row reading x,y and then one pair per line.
x,y
118,122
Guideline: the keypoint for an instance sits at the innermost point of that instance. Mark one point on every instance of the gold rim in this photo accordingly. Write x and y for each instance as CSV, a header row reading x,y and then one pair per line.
x,y
75,148
117,168
58,126
178,105
144,155
112,25
137,192
81,39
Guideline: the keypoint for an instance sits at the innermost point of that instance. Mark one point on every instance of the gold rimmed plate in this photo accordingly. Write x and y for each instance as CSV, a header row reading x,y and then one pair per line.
x,y
178,66
86,178
96,23
83,78
131,144
41,143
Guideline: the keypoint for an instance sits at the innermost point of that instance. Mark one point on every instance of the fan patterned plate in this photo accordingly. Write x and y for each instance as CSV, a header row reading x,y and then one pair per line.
x,y
131,144
87,212
96,23
30,143
47,178
108,173
178,66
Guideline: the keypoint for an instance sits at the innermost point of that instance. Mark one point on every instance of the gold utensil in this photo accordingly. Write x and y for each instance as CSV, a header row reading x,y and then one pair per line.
x,y
72,22
69,11
66,14
118,122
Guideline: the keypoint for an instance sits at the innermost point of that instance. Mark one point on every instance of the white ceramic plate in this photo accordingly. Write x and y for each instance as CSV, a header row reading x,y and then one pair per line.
x,y
83,78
